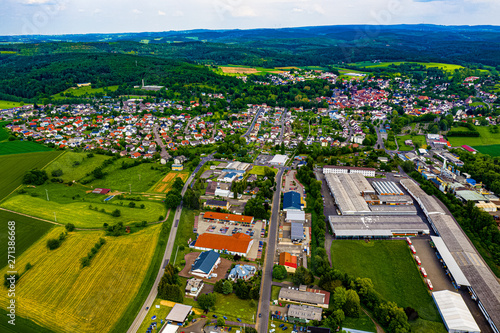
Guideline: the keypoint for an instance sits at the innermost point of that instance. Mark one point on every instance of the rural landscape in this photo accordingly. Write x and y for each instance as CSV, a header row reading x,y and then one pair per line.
x,y
313,178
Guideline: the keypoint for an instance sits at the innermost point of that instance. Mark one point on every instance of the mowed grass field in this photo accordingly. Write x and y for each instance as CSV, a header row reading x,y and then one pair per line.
x,y
75,91
80,215
75,165
57,293
420,139
259,170
8,105
27,230
13,168
392,269
486,138
369,64
492,150
160,313
165,184
21,147
230,306
237,70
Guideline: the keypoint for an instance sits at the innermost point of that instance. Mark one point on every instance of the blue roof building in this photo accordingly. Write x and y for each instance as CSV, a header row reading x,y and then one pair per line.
x,y
291,201
206,262
241,272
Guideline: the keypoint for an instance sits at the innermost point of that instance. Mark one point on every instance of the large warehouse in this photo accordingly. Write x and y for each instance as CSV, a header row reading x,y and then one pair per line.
x,y
456,316
354,227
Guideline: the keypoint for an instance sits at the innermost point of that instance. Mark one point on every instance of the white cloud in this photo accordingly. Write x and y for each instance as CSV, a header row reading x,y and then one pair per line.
x,y
97,10
37,2
136,11
178,13
161,13
243,11
297,10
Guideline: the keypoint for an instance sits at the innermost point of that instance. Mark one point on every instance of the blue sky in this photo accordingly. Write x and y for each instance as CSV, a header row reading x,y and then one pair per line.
x,y
92,16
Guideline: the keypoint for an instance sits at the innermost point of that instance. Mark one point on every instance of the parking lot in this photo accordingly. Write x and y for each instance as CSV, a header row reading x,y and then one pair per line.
x,y
292,184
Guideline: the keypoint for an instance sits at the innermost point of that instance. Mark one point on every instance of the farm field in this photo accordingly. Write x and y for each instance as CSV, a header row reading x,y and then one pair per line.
x,y
236,70
420,139
75,166
492,150
4,133
369,64
28,231
82,300
21,147
78,212
22,325
259,170
486,138
165,184
13,168
8,105
392,269
75,91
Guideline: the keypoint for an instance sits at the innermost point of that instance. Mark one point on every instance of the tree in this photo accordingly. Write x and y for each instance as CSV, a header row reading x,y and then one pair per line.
x,y
173,199
207,301
169,287
302,276
339,298
53,243
219,286
227,287
70,227
131,204
221,321
279,272
352,305
57,173
35,177
116,213
335,320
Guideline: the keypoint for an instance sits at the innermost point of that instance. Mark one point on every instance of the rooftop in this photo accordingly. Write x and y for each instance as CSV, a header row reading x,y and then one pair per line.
x,y
179,313
454,311
235,243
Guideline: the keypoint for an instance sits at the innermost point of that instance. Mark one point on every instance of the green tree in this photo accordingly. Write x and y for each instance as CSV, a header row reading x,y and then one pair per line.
x,y
334,321
279,272
57,173
339,298
116,213
302,276
227,287
352,305
221,321
70,227
207,301
173,199
35,177
218,287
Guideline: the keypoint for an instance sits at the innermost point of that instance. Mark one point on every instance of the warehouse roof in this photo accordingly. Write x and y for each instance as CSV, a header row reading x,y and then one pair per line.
x,y
387,188
346,193
361,183
297,231
396,198
305,312
236,243
454,311
291,200
470,196
228,217
394,209
412,187
348,225
302,296
279,159
452,265
179,313
296,215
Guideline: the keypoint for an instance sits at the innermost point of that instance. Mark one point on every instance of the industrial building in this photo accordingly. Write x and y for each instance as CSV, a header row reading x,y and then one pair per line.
x,y
334,169
304,295
279,160
387,188
354,227
291,201
456,316
179,313
295,216
297,232
303,313
484,286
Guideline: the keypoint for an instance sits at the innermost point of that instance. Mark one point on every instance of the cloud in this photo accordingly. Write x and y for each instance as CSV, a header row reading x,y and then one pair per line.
x,y
161,13
97,11
37,2
297,10
178,13
136,11
243,11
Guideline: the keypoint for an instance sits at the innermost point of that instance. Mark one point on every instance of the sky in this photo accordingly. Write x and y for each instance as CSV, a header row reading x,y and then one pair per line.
x,y
50,17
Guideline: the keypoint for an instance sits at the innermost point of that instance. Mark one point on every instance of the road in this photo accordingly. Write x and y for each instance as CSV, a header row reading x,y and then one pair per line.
x,y
282,132
253,123
159,141
267,274
166,257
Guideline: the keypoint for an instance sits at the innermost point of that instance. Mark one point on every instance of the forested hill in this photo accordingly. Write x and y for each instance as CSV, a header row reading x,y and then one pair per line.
x,y
285,47
41,76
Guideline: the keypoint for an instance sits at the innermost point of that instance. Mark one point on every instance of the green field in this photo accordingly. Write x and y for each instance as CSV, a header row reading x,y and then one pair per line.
x,y
78,92
392,269
4,134
369,64
486,138
184,233
27,232
492,150
13,168
76,299
21,147
420,139
363,323
238,70
8,105
78,212
230,306
75,166
160,313
259,170
22,325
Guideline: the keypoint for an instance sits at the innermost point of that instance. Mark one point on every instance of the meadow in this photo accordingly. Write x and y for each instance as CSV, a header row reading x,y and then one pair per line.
x,y
259,170
486,138
238,70
165,184
420,139
28,231
184,233
492,150
75,166
82,91
230,306
9,105
4,133
79,213
13,168
21,147
392,269
369,64
91,299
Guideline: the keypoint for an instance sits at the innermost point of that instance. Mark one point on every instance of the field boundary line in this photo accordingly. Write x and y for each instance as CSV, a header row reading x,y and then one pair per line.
x,y
58,156
33,217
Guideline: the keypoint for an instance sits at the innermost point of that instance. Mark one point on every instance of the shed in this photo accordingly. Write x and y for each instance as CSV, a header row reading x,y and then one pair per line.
x,y
456,316
179,313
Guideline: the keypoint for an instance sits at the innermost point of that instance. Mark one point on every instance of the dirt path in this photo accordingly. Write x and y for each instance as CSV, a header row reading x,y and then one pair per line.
x,y
379,328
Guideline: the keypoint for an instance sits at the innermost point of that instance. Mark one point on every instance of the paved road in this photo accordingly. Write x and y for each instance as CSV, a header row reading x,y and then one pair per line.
x,y
159,141
166,258
267,274
253,123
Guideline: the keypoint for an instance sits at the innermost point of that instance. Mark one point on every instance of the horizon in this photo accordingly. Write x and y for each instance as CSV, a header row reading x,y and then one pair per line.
x,y
75,17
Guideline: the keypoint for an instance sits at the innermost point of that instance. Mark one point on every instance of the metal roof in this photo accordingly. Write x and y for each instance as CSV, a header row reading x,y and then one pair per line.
x,y
454,311
302,296
179,313
376,225
387,188
471,196
297,231
305,312
452,265
291,200
296,215
205,261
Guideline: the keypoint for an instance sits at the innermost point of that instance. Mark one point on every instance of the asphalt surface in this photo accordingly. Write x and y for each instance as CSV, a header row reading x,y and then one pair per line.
x,y
164,154
267,274
253,123
166,258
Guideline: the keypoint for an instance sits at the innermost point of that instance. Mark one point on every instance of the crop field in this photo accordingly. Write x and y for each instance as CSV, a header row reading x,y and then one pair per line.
x,y
165,184
420,139
369,64
8,105
75,165
75,91
13,168
82,300
28,231
21,147
79,213
492,150
392,269
486,138
236,70
4,134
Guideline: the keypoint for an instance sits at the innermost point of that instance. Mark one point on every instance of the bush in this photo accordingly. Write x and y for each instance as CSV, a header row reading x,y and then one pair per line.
x,y
35,177
28,266
116,213
279,272
70,227
53,244
57,173
131,204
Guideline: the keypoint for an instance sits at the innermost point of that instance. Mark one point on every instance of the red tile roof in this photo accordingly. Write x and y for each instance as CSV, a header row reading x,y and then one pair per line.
x,y
235,243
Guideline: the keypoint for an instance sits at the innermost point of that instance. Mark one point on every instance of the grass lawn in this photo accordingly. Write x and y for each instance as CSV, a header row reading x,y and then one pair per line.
x,y
232,307
91,299
392,269
363,323
84,91
28,231
158,310
184,233
13,168
492,150
420,139
21,147
425,326
259,170
8,105
275,291
78,212
486,138
75,166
